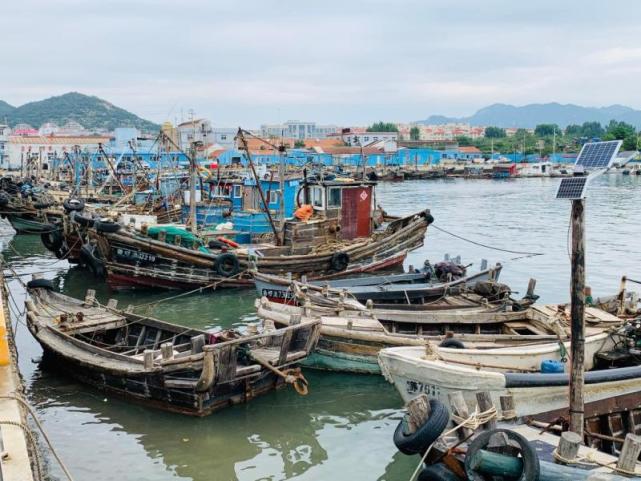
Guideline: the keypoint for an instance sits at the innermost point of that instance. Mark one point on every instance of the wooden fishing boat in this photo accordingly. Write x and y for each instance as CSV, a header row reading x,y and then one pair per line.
x,y
479,440
159,364
414,287
612,370
346,235
351,339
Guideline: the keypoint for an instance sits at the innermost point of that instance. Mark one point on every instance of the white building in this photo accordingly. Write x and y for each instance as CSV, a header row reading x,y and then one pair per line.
x,y
4,148
224,136
296,129
365,138
43,149
197,130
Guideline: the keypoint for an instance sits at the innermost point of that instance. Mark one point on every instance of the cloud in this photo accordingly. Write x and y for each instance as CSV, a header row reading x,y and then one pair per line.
x,y
340,62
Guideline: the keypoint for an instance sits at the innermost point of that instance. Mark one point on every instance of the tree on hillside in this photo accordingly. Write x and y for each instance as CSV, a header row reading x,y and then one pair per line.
x,y
622,131
543,130
415,133
464,141
573,130
382,127
591,130
494,132
618,130
299,144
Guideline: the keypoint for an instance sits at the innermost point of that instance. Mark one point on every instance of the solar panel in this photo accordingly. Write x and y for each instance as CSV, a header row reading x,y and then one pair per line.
x,y
598,155
572,188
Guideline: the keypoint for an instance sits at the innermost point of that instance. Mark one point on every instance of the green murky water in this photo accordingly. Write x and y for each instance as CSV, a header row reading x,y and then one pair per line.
x,y
343,429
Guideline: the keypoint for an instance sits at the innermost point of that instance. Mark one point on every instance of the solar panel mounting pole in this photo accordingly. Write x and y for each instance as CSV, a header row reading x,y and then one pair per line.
x,y
577,315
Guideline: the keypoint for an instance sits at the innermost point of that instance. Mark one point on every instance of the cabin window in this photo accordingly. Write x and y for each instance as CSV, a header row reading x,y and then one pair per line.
x,y
334,197
237,192
317,197
273,196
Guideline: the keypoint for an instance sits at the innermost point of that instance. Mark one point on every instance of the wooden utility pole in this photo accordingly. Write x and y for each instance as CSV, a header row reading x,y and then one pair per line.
x,y
577,312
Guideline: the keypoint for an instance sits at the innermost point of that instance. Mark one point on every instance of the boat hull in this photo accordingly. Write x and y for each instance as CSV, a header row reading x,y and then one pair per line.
x,y
149,390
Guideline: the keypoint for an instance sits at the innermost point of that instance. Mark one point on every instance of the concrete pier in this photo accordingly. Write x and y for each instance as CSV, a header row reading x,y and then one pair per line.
x,y
15,455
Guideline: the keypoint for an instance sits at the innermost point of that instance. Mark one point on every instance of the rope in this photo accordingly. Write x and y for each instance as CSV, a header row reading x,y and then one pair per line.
x,y
473,422
32,441
589,459
44,434
529,254
182,294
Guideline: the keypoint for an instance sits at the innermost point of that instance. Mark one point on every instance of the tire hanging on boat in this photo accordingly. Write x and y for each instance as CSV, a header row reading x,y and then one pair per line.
x,y
40,284
71,205
529,456
227,265
90,259
339,261
83,220
426,434
437,472
52,238
106,226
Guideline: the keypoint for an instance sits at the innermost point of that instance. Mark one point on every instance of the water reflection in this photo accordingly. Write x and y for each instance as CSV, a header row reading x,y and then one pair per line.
x,y
343,429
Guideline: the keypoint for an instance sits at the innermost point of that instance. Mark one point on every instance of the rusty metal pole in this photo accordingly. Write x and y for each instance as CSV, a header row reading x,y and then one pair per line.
x,y
577,313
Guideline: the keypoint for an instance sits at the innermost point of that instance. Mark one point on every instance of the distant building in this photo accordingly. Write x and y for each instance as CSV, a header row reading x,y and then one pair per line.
x,y
224,136
449,132
298,130
44,149
197,130
366,138
4,150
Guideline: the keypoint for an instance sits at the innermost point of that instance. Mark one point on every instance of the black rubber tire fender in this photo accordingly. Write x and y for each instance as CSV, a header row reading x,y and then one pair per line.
x,y
71,205
531,465
214,244
437,472
452,343
339,261
83,220
4,200
425,435
42,205
52,239
106,226
227,265
40,284
89,259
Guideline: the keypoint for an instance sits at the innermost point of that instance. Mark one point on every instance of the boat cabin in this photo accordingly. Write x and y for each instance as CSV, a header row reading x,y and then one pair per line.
x,y
342,210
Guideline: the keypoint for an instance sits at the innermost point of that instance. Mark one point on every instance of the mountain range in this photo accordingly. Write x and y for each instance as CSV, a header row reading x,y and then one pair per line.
x,y
91,112
529,116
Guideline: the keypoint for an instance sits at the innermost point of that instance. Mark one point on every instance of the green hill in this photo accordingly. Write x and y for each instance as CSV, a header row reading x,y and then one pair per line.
x,y
91,112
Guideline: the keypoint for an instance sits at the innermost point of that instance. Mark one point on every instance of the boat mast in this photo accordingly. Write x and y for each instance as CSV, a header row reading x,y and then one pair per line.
x,y
281,186
192,186
243,140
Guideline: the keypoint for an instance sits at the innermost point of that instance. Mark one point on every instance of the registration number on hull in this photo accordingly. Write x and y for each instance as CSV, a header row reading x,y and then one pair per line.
x,y
132,255
414,388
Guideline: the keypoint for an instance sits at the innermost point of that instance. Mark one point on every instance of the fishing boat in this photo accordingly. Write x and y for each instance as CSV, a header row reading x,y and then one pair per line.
x,y
344,232
414,287
533,375
352,338
159,364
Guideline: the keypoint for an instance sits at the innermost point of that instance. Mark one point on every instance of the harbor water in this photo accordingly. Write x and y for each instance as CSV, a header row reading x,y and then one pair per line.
x,y
343,429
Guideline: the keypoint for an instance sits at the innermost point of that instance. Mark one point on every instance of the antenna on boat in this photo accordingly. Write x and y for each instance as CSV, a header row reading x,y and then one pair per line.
x,y
598,157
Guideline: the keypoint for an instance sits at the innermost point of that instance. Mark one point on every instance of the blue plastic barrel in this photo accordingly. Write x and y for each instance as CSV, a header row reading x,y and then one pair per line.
x,y
550,366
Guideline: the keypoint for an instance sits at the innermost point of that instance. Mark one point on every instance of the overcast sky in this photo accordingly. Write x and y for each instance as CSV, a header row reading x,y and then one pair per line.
x,y
346,62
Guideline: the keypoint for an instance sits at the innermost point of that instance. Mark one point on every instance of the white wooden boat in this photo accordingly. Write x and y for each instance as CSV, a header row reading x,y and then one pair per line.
x,y
439,372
